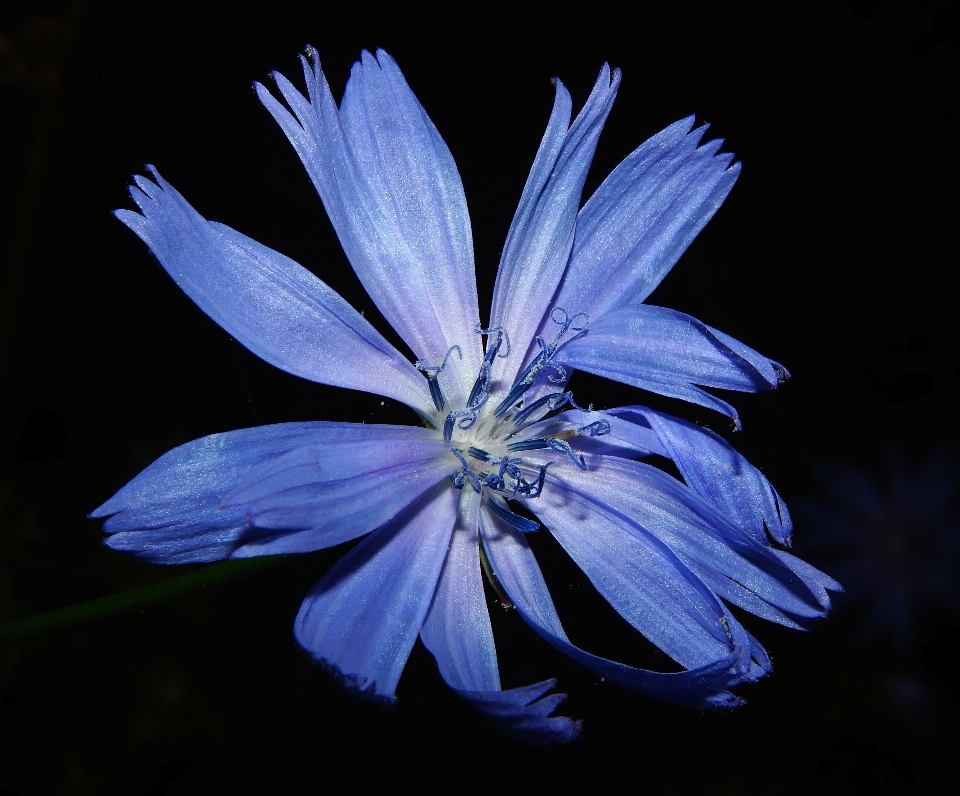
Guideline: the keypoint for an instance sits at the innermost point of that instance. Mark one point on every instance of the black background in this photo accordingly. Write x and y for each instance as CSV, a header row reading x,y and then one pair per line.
x,y
835,254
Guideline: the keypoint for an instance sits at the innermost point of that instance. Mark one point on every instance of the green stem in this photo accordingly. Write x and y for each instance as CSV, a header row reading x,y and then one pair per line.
x,y
136,598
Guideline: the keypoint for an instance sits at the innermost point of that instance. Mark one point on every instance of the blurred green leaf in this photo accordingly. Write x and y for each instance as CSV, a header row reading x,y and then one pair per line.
x,y
210,575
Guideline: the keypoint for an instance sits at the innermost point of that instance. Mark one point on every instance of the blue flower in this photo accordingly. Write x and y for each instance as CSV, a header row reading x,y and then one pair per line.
x,y
895,541
438,500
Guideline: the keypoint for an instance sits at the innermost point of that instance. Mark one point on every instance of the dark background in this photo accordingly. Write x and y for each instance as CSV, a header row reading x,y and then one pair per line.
x,y
835,254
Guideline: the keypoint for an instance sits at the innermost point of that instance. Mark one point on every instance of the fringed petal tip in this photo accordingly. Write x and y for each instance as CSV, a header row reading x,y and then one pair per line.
x,y
524,713
356,685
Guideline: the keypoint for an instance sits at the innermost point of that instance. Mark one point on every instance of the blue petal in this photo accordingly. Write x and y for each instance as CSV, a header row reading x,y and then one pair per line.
x,y
636,572
518,572
524,713
362,619
171,514
642,218
457,631
322,495
180,535
394,196
716,472
818,582
667,352
272,305
724,557
334,460
760,663
541,234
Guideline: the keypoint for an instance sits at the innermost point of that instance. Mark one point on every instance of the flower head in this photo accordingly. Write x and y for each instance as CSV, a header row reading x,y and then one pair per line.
x,y
499,430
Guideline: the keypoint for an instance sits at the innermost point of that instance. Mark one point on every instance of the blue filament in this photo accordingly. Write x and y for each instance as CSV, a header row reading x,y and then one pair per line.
x,y
509,468
522,524
595,429
466,417
562,446
559,445
481,387
528,444
479,454
459,478
534,490
552,402
542,360
433,373
498,482
461,418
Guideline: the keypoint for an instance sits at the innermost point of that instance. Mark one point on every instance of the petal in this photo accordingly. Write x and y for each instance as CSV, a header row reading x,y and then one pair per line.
x,y
716,472
457,631
641,578
524,713
333,460
724,557
327,494
171,513
517,571
272,305
362,619
818,582
541,234
668,352
457,628
396,201
642,218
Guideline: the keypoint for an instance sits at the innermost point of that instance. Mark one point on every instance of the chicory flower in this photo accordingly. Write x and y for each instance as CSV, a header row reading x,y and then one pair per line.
x,y
440,500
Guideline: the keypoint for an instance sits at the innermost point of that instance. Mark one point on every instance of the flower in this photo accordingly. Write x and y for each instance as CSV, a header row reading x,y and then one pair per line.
x,y
895,540
438,501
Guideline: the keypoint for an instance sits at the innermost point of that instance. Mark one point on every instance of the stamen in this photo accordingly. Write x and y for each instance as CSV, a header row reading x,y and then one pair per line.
x,y
462,418
508,467
522,524
459,478
433,372
561,377
595,429
554,443
528,444
534,491
523,381
481,387
552,402
479,454
542,360
562,446
509,477
501,332
466,417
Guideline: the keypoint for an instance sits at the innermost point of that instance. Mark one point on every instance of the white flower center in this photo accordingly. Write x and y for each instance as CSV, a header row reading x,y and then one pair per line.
x,y
486,441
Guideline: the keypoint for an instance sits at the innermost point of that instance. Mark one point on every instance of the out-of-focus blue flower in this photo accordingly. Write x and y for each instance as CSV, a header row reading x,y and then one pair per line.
x,y
438,501
893,540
